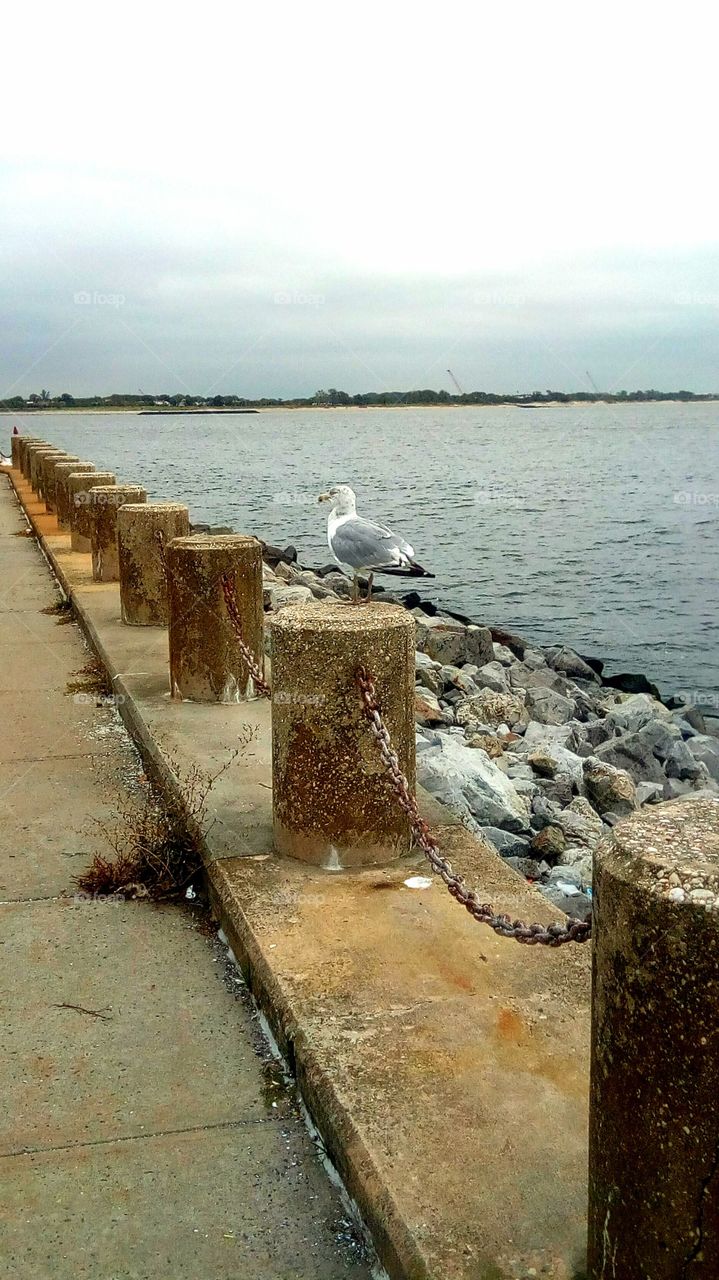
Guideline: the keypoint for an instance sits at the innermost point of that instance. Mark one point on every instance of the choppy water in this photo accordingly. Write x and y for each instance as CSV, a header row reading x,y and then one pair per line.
x,y
596,526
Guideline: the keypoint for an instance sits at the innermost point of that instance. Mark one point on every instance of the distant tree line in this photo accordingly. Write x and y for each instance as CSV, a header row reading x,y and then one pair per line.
x,y
333,398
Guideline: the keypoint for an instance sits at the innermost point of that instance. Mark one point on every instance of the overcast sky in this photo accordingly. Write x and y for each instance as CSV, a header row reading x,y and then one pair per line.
x,y
269,200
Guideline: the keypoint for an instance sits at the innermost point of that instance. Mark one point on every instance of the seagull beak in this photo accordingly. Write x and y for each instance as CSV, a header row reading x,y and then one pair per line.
x,y
324,497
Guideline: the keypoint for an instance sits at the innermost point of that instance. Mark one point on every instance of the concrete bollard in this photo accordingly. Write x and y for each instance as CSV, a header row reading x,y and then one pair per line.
x,y
62,495
79,486
105,502
654,1134
26,444
331,802
143,532
15,452
206,662
36,460
49,463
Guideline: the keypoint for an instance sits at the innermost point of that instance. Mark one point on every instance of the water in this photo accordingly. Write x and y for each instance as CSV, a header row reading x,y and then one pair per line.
x,y
595,526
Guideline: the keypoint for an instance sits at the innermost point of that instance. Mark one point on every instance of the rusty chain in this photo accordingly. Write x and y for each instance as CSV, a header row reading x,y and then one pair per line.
x,y
228,591
552,935
160,540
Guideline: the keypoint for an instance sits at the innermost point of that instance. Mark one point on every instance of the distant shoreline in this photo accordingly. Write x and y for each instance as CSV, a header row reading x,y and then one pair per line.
x,y
228,411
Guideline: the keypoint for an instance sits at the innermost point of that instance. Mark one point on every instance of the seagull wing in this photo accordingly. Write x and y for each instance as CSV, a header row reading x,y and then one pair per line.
x,y
361,544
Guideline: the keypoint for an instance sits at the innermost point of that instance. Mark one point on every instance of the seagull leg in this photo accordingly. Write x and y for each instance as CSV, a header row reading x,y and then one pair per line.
x,y
369,588
355,589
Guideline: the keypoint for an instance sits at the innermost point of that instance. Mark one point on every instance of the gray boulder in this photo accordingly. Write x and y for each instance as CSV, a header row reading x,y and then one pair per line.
x,y
492,676
636,711
472,786
570,663
580,823
641,753
609,788
479,645
570,900
530,868
705,749
549,707
681,763
507,843
649,792
441,638
502,653
495,709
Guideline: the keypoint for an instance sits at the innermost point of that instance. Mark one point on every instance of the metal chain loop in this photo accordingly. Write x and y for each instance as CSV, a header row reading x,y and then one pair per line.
x,y
228,591
553,935
160,540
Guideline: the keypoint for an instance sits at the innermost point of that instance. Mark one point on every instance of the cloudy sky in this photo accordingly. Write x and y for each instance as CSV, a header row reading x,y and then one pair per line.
x,y
268,200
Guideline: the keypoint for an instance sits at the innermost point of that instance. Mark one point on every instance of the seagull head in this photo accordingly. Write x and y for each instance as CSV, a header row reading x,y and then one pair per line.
x,y
342,499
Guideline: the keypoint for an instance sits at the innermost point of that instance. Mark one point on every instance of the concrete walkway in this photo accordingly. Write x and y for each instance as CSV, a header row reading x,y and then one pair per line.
x,y
142,1135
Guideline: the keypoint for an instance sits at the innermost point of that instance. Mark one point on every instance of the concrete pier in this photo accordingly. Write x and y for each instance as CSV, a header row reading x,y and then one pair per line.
x,y
36,461
143,532
206,662
15,451
62,495
141,1132
79,486
49,467
104,504
654,1127
331,802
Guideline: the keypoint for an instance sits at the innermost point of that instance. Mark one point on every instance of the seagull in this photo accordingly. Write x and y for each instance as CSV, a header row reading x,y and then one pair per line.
x,y
360,546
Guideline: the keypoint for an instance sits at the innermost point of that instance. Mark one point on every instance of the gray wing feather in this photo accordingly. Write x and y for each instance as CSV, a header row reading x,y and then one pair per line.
x,y
365,545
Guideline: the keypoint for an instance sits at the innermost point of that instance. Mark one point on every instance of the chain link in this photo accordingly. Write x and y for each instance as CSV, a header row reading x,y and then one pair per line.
x,y
553,935
160,540
228,591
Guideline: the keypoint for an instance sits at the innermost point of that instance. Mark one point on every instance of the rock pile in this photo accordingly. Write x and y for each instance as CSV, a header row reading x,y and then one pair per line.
x,y
528,746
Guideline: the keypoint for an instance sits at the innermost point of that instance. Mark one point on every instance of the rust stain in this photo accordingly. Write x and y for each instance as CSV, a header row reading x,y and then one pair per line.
x,y
510,1026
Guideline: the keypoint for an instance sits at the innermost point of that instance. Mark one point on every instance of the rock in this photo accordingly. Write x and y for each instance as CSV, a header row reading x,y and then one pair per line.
x,y
629,682
575,904
681,763
515,643
548,843
543,763
534,659
705,749
485,742
609,788
503,654
426,707
540,736
598,731
579,859
453,677
567,661
527,867
479,645
282,595
559,789
580,824
472,786
693,717
649,792
633,713
492,676
495,709
549,707
338,583
507,843
524,677
676,790
430,678
641,753
711,724
565,875
442,639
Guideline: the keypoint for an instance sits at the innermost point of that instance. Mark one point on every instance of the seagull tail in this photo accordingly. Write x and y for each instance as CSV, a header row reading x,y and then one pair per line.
x,y
411,570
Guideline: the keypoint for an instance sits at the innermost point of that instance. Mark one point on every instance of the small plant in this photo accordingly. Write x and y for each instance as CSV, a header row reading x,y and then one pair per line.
x,y
157,843
92,679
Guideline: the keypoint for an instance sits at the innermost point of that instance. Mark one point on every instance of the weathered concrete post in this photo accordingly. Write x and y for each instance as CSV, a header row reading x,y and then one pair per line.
x,y
331,802
105,502
654,1124
49,463
206,662
143,532
36,461
62,495
79,486
27,443
15,451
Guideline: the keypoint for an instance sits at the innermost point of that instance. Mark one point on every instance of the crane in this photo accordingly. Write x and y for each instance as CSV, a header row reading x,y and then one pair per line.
x,y
459,389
